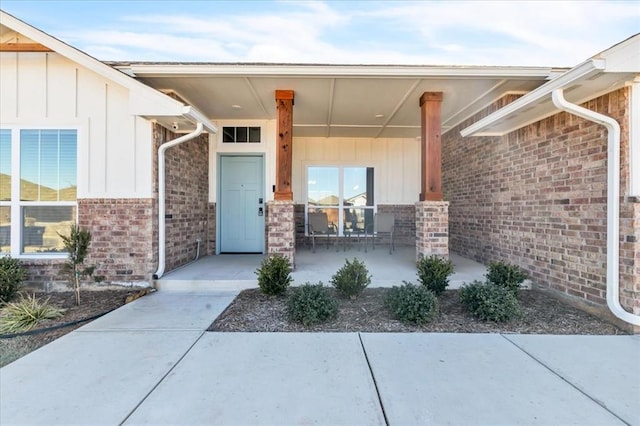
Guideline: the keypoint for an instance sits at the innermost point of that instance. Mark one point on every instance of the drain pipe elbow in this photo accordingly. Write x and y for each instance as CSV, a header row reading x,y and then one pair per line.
x,y
613,201
161,195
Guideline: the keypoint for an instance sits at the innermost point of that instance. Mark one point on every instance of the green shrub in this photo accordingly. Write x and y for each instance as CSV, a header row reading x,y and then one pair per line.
x,y
351,279
274,275
76,244
11,276
490,302
506,275
26,313
311,304
433,273
411,303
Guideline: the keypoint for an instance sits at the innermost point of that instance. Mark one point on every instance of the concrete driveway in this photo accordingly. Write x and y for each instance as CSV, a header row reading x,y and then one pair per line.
x,y
152,362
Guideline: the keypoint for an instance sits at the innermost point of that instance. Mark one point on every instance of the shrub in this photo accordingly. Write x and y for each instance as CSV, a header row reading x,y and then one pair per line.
x,y
311,304
506,275
490,302
411,303
433,273
351,279
274,275
11,276
76,245
26,313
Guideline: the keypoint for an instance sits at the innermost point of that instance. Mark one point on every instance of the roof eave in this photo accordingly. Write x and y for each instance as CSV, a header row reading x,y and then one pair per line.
x,y
582,71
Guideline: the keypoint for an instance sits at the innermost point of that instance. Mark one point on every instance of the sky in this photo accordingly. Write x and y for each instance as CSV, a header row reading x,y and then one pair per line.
x,y
502,33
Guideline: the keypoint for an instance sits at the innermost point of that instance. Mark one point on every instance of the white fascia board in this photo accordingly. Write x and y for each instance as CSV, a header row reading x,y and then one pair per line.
x,y
150,70
584,70
158,99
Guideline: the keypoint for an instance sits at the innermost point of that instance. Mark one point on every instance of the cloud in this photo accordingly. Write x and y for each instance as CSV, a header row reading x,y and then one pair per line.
x,y
561,33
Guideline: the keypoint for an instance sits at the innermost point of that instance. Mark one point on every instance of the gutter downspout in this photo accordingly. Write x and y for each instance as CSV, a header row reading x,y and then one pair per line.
x,y
613,201
161,195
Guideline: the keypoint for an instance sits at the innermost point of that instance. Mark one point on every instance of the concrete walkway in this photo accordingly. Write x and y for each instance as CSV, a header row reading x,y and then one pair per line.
x,y
151,362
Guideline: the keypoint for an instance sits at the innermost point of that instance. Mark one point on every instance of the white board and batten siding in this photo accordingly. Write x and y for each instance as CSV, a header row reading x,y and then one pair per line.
x,y
396,164
46,90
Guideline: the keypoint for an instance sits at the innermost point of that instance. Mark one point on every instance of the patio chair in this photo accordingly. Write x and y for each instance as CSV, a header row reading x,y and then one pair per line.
x,y
383,225
319,225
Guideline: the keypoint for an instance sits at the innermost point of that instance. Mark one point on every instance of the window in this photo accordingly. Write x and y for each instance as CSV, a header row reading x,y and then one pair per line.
x,y
5,191
42,203
344,193
241,135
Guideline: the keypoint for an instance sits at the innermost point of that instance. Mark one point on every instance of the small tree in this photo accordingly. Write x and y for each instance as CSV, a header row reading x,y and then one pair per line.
x,y
77,246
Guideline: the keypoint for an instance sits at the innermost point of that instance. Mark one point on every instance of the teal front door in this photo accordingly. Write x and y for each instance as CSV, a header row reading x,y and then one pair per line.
x,y
241,204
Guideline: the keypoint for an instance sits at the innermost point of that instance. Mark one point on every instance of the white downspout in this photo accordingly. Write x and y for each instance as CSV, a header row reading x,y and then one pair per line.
x,y
161,195
613,201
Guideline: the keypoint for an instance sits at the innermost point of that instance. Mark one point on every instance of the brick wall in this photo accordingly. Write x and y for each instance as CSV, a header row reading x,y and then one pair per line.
x,y
123,237
187,196
432,229
281,237
405,222
537,197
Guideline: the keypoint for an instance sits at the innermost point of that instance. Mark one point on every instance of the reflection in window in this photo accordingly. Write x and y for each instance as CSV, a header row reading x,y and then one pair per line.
x,y
48,165
346,194
5,229
5,165
41,226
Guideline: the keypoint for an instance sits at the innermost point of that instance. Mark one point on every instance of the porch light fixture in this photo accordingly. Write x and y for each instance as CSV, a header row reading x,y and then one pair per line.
x,y
379,115
236,106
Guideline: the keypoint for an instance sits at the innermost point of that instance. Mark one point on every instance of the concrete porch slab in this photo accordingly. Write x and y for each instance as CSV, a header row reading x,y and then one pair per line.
x,y
607,368
237,272
267,378
88,378
165,311
472,379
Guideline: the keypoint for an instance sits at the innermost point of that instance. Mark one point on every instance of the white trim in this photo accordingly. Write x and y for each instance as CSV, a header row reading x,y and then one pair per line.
x,y
418,71
634,139
340,206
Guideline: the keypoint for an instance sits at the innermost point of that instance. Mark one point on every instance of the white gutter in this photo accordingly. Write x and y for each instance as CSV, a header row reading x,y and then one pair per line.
x,y
613,200
161,195
580,72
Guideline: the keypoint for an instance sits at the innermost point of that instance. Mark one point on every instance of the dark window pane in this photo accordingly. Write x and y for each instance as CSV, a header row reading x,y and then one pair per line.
x,y
228,134
41,226
241,134
254,134
5,229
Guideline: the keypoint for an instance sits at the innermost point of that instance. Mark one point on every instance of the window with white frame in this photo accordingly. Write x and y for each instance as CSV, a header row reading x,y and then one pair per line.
x,y
38,189
345,194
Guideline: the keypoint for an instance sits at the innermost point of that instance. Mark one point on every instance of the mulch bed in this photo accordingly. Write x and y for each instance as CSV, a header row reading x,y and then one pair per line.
x,y
255,312
92,302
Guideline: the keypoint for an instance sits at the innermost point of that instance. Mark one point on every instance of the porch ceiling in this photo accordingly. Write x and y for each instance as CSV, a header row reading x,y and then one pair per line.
x,y
338,101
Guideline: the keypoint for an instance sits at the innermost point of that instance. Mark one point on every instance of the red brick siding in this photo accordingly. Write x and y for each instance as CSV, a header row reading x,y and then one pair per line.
x,y
211,230
537,197
123,238
405,222
187,196
281,238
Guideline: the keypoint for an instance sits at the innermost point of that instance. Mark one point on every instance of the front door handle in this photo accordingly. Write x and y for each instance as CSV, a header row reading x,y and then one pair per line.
x,y
260,211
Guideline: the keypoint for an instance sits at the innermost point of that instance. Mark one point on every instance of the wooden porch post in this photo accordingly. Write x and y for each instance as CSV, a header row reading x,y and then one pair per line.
x,y
431,154
284,140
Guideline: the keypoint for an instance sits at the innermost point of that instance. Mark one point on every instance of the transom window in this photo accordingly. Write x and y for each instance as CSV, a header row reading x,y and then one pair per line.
x,y
42,203
241,135
345,194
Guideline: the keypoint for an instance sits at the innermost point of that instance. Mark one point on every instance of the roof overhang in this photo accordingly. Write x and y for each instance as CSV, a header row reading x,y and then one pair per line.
x,y
144,100
605,72
372,101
